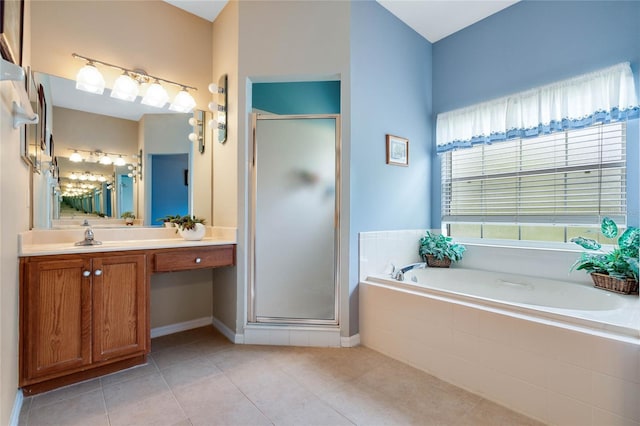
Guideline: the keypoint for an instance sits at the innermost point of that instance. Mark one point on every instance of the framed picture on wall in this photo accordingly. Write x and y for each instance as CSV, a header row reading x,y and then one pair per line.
x,y
11,14
397,151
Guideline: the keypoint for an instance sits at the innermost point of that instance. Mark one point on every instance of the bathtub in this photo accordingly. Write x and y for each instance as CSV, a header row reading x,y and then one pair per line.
x,y
564,302
562,353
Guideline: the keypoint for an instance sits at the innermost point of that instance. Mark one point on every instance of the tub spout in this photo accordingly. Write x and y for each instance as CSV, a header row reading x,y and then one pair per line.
x,y
399,274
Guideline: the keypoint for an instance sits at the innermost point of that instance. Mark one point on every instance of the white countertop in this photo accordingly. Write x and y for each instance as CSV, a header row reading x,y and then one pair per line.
x,y
62,241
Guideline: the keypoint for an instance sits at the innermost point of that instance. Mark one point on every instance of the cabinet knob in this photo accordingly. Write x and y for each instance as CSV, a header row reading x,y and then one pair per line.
x,y
198,260
98,272
86,273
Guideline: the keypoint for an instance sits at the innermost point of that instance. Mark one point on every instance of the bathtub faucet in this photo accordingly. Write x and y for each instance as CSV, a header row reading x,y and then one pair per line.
x,y
399,273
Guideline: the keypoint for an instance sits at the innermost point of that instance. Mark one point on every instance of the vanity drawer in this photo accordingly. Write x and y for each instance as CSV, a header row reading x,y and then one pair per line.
x,y
193,258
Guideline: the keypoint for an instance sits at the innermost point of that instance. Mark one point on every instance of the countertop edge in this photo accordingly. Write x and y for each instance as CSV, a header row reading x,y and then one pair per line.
x,y
111,246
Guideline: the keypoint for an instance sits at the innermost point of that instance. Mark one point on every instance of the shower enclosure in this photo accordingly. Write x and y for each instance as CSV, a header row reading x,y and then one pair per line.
x,y
294,219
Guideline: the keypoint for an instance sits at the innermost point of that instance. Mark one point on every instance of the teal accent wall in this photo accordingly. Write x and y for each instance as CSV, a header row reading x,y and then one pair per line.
x,y
308,97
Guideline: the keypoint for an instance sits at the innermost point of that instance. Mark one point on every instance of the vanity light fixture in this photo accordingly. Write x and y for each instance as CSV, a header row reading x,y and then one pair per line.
x,y
219,108
126,87
97,156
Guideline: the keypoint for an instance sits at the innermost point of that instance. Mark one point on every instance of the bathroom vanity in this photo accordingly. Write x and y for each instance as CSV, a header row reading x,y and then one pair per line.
x,y
84,311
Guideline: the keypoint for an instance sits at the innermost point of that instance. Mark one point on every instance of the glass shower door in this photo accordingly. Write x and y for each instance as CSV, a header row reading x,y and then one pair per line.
x,y
294,220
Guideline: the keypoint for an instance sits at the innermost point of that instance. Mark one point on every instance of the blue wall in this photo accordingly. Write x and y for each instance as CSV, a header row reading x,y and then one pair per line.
x,y
390,94
313,97
530,44
169,194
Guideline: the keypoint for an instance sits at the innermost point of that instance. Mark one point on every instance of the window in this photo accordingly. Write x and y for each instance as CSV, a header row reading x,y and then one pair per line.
x,y
549,187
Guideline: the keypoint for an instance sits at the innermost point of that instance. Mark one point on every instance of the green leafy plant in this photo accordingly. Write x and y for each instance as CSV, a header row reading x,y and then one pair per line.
x,y
621,262
168,218
126,215
440,246
187,222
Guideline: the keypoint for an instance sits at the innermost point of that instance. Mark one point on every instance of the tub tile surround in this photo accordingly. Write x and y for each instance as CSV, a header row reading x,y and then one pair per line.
x,y
61,241
558,375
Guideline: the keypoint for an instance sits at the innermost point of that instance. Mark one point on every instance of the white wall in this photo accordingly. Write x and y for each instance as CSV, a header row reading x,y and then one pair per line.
x,y
14,218
286,41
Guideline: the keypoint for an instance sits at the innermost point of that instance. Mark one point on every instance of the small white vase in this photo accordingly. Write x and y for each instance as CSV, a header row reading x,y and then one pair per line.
x,y
194,234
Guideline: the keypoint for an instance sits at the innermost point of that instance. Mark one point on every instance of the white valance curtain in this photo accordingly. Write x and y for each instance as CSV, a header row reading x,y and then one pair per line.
x,y
597,97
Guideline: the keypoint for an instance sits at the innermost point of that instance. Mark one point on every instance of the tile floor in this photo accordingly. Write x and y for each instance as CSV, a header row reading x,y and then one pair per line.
x,y
198,378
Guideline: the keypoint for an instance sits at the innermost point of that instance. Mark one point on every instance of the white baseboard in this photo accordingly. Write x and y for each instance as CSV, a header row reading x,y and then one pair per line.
x,y
17,407
227,332
292,335
351,341
181,326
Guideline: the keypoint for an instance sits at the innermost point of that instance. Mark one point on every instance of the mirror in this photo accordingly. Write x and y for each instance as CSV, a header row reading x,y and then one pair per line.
x,y
103,158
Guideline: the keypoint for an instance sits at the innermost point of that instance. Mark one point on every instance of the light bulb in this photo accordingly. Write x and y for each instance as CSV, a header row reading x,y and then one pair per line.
x,y
83,176
119,161
102,178
90,79
212,123
192,121
92,178
156,96
106,160
73,176
130,174
213,88
75,157
213,106
183,102
125,88
193,137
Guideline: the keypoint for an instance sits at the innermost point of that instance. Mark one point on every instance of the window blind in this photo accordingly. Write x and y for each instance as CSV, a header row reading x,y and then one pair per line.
x,y
573,177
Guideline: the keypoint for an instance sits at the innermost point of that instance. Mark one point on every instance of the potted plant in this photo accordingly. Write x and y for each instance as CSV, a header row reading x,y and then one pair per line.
x,y
616,270
128,218
168,220
190,227
439,250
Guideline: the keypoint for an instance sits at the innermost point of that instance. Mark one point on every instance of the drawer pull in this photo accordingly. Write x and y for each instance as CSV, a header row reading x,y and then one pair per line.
x,y
86,273
98,272
198,260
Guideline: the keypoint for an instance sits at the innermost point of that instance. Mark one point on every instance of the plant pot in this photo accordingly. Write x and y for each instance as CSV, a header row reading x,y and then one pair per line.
x,y
169,225
607,282
194,234
128,221
433,262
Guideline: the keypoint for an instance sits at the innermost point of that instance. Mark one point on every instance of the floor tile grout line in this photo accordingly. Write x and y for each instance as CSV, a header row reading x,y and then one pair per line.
x,y
184,412
104,403
248,398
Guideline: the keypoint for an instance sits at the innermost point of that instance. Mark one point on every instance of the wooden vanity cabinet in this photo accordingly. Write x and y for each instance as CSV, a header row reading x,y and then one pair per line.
x,y
86,315
81,313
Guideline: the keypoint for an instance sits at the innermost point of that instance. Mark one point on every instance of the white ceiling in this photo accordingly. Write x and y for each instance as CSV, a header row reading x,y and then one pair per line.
x,y
437,19
433,19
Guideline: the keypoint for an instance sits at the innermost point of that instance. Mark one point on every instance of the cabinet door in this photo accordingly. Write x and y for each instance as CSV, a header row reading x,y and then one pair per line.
x,y
119,306
57,311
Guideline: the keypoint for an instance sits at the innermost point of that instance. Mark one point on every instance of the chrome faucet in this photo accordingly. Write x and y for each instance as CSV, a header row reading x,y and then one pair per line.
x,y
398,274
88,236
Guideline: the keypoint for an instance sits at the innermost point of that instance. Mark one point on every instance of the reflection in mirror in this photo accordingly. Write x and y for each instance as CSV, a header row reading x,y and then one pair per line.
x,y
99,142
